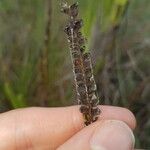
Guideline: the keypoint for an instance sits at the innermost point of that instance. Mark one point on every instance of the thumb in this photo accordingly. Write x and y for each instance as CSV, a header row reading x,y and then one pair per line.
x,y
104,135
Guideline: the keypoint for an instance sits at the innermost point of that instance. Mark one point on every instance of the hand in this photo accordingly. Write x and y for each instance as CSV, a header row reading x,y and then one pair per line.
x,y
63,129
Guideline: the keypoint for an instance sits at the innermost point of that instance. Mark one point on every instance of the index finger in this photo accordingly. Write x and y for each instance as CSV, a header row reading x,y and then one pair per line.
x,y
47,128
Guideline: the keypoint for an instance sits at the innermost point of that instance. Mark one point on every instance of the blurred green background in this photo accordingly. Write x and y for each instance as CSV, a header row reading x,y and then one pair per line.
x,y
35,65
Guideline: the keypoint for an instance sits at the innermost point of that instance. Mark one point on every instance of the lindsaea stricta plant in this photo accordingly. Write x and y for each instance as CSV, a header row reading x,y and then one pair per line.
x,y
82,67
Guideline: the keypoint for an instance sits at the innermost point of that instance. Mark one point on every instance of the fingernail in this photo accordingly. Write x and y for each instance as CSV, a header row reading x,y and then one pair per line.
x,y
112,135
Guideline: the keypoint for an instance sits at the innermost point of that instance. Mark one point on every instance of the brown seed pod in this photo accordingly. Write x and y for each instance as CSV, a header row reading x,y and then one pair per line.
x,y
82,67
72,10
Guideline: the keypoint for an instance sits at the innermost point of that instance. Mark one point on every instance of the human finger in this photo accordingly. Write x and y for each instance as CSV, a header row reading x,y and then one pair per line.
x,y
47,128
104,135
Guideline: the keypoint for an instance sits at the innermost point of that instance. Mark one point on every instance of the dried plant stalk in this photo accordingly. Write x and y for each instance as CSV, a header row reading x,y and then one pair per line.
x,y
82,66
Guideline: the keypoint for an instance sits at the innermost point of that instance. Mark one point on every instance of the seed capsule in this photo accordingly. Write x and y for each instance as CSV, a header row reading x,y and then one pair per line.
x,y
74,10
67,30
82,67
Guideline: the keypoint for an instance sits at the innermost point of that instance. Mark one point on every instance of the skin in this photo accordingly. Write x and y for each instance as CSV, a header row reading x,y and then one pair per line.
x,y
55,128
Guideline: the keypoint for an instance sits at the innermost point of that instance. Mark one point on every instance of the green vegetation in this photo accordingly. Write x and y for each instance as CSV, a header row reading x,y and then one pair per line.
x,y
36,71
